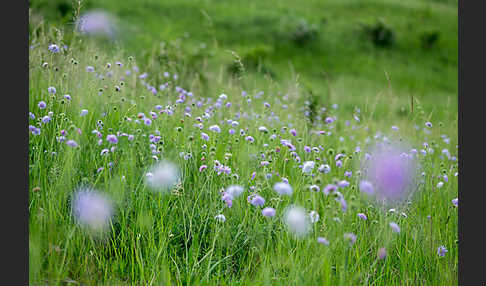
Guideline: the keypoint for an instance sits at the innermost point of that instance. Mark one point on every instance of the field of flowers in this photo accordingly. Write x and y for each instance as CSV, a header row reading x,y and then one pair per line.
x,y
143,176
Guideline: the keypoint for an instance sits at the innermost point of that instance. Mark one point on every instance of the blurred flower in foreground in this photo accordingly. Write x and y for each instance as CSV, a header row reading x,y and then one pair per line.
x,y
283,188
97,23
268,212
389,173
92,209
322,240
297,220
382,253
162,176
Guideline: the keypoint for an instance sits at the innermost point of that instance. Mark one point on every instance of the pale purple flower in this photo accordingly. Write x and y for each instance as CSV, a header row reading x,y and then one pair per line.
x,y
147,121
268,212
382,253
322,240
339,163
329,120
54,48
257,201
362,216
351,237
84,112
72,143
314,188
234,191
215,128
89,69
366,187
204,136
324,168
92,209
97,23
46,119
440,184
249,139
348,174
330,188
263,129
293,132
42,104
283,188
308,166
67,97
202,168
104,152
343,184
395,227
391,175
51,90
441,251
163,176
455,202
112,139
428,124
307,149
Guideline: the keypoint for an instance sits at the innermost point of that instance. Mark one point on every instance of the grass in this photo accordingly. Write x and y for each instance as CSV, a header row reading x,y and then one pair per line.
x,y
173,238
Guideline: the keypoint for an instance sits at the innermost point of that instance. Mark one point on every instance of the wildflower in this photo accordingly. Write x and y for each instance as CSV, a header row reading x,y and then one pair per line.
x,y
395,227
362,216
163,176
204,136
322,240
257,201
67,97
84,112
297,220
348,174
263,129
351,237
440,184
314,216
307,149
382,253
91,209
202,168
293,132
147,121
324,168
428,124
329,120
41,104
220,218
51,90
90,69
343,184
441,251
72,143
54,48
268,212
249,139
330,188
283,188
97,23
215,128
112,139
455,202
390,175
234,191
308,166
314,188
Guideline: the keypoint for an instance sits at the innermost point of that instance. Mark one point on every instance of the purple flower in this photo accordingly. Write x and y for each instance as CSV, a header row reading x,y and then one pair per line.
x,y
72,143
51,89
84,112
147,121
67,97
428,124
329,189
391,175
283,188
215,128
268,212
315,188
42,104
441,251
322,240
104,152
249,139
348,174
343,184
382,253
257,200
366,187
92,210
308,166
362,216
455,202
54,48
307,149
324,169
204,136
293,132
46,119
395,227
112,139
314,216
351,237
339,163
220,218
202,168
329,120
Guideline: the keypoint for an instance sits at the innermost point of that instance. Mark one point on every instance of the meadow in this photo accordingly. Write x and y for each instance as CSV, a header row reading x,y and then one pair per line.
x,y
236,119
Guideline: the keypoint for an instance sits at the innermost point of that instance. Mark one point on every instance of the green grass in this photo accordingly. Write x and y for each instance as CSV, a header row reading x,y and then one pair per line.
x,y
173,239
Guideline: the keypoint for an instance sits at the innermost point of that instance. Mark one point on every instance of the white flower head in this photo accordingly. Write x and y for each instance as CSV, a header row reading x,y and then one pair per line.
x,y
297,220
163,176
308,166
